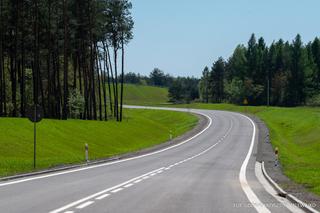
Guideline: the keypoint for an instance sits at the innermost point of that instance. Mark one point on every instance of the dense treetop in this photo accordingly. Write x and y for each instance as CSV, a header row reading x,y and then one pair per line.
x,y
282,74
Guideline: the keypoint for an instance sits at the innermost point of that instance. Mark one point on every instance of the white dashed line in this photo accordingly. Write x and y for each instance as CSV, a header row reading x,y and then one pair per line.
x,y
85,204
128,185
117,190
102,196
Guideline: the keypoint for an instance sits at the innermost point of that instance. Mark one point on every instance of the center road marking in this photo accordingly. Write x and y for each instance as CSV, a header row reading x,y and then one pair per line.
x,y
102,196
85,205
117,190
101,193
129,185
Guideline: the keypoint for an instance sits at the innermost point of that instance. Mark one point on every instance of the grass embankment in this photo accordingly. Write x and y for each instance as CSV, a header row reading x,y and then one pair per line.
x,y
144,95
62,142
295,131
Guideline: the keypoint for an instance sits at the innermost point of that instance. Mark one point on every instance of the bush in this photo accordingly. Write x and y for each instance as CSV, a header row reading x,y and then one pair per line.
x,y
314,100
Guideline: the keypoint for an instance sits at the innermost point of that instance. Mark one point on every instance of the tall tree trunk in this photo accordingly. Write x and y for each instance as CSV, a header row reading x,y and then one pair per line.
x,y
4,89
22,78
99,82
2,103
65,62
75,68
49,61
36,54
122,76
115,52
79,72
106,64
103,77
13,60
112,79
43,104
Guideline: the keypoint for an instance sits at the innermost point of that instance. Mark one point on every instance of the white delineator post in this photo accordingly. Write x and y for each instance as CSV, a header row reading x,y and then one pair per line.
x,y
276,152
86,152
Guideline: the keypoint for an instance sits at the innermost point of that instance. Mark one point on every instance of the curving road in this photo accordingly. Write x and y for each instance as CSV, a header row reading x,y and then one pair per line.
x,y
214,171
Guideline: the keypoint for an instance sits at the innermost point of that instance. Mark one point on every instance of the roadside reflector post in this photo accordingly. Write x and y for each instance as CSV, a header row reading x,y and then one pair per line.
x,y
170,135
276,152
87,152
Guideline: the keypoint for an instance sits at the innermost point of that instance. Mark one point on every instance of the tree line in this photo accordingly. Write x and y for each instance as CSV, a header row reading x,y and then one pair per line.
x,y
282,74
65,55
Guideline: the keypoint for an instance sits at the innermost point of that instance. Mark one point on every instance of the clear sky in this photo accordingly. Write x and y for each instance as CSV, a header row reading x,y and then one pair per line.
x,y
181,37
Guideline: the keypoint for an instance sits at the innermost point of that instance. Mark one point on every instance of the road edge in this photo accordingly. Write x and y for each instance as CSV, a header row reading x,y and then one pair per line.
x,y
302,205
280,191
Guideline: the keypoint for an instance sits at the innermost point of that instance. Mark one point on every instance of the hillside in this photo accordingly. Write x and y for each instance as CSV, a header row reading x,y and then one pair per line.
x,y
144,95
62,142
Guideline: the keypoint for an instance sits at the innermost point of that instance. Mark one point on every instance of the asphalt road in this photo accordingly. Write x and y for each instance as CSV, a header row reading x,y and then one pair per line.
x,y
212,172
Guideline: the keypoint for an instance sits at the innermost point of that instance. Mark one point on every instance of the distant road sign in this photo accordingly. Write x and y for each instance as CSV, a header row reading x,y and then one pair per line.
x,y
35,113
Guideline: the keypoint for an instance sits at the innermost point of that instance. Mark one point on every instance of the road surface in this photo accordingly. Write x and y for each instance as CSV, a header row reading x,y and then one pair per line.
x,y
214,171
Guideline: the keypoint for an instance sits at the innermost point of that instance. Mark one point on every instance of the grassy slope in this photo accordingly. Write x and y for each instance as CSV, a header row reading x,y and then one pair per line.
x,y
144,95
296,132
62,142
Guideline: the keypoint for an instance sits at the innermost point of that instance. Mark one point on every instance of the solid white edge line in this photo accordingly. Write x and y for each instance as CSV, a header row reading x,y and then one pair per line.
x,y
100,193
267,186
252,197
115,162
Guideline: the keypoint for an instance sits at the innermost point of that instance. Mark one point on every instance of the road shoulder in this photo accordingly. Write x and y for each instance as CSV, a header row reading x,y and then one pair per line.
x,y
265,153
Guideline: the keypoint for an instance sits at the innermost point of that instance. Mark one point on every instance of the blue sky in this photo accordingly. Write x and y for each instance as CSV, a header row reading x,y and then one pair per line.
x,y
181,37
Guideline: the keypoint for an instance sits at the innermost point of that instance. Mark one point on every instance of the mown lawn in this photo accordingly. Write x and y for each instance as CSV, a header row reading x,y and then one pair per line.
x,y
295,131
62,142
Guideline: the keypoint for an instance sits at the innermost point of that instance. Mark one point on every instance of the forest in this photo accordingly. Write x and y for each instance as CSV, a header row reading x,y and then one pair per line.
x,y
65,55
282,74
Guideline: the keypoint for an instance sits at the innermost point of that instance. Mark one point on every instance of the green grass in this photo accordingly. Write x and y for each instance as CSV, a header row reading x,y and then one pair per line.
x,y
62,142
144,95
295,131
